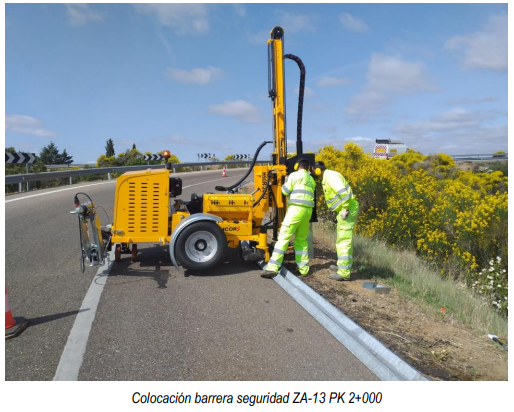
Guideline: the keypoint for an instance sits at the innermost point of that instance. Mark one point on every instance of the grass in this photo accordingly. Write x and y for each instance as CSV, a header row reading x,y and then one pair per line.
x,y
415,279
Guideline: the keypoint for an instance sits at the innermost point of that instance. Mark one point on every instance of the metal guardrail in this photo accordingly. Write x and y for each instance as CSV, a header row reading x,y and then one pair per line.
x,y
36,177
480,157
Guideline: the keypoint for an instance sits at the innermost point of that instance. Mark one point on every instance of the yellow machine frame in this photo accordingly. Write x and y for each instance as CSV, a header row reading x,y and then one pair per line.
x,y
142,204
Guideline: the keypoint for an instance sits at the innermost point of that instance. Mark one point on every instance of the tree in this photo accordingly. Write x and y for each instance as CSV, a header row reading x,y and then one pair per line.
x,y
64,158
173,159
104,161
133,157
50,154
109,148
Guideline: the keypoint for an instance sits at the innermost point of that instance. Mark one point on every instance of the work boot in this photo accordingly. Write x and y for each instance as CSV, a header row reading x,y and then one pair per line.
x,y
333,268
295,271
335,276
268,274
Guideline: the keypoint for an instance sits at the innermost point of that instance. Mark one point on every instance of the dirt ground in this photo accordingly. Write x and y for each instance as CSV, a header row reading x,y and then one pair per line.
x,y
437,345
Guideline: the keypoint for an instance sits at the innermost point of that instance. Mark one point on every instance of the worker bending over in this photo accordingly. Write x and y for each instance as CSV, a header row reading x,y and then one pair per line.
x,y
300,188
340,199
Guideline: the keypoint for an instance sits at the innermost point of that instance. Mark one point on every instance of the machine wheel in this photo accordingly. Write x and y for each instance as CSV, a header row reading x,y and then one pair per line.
x,y
201,246
133,256
117,253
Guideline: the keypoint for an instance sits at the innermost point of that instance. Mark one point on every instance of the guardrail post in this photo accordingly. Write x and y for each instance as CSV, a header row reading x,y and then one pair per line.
x,y
174,171
109,176
28,173
20,189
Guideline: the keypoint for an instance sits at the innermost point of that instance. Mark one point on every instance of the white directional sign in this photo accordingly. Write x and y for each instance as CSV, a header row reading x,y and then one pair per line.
x,y
20,158
153,157
241,156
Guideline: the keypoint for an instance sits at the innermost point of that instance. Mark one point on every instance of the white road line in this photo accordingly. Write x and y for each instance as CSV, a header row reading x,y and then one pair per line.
x,y
60,190
95,184
73,354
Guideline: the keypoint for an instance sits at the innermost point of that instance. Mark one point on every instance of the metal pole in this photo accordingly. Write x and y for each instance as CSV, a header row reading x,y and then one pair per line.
x,y
20,189
28,166
109,176
71,180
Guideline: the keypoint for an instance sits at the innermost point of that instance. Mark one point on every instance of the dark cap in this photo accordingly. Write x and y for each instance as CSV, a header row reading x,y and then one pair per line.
x,y
320,165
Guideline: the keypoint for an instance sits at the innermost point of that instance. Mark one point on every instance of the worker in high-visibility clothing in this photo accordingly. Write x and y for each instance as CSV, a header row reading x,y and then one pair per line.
x,y
300,187
340,199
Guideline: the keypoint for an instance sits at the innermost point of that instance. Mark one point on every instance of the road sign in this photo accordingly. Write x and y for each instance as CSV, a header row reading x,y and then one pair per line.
x,y
153,157
241,156
20,158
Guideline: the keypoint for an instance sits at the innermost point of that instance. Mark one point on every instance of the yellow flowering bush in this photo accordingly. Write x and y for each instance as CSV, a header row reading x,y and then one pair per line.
x,y
455,219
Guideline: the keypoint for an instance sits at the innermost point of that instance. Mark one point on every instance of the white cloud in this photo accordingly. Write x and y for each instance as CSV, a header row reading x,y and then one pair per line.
x,y
306,91
457,131
25,124
239,109
339,142
294,23
259,38
368,102
316,107
473,101
195,76
329,81
486,49
360,139
455,119
239,9
182,18
178,139
351,23
387,76
80,14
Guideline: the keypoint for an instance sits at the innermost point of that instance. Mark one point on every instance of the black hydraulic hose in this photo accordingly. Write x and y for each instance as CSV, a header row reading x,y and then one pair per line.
x,y
299,144
76,198
228,189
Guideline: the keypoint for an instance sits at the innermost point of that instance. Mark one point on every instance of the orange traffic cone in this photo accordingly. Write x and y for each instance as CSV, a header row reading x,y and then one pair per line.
x,y
13,326
224,174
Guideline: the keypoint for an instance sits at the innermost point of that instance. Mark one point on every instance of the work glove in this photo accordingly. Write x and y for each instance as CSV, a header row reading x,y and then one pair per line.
x,y
344,214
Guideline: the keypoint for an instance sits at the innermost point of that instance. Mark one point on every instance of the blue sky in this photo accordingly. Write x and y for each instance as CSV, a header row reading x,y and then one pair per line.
x,y
192,78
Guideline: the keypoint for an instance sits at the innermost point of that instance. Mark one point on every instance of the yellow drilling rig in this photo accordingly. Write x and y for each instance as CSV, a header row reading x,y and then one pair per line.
x,y
198,231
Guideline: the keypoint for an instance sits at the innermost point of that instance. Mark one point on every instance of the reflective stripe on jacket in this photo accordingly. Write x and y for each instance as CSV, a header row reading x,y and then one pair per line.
x,y
338,192
300,188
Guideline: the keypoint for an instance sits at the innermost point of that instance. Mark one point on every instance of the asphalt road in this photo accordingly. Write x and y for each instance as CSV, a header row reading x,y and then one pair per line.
x,y
227,324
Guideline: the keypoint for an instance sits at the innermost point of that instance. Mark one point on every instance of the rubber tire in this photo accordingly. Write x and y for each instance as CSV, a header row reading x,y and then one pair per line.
x,y
117,253
213,229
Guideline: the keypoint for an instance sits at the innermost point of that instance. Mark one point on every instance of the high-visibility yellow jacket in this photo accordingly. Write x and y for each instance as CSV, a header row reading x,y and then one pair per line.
x,y
300,187
338,192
